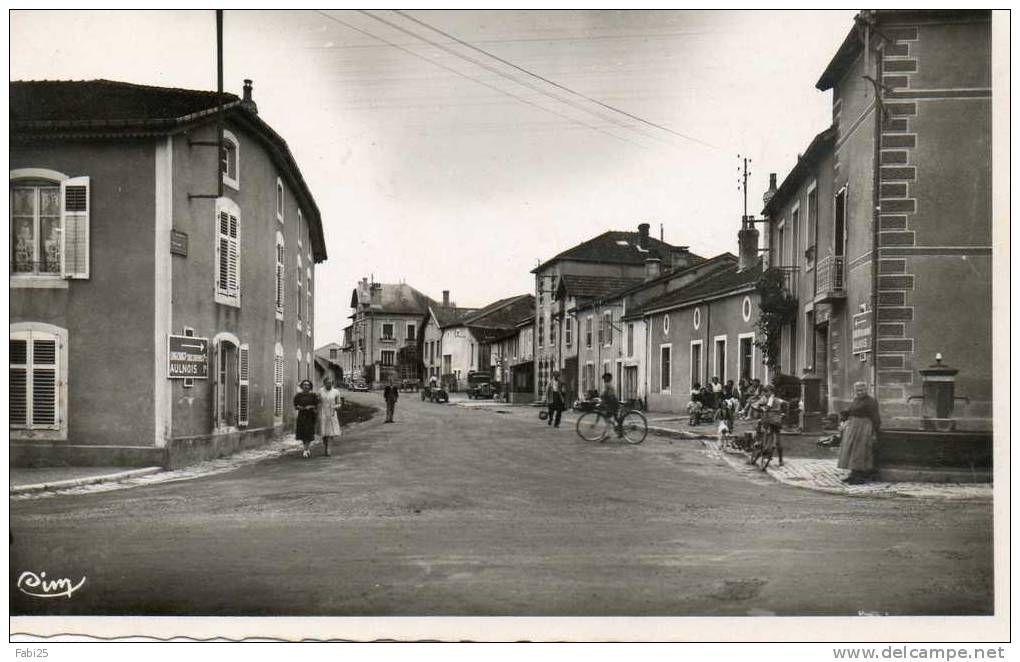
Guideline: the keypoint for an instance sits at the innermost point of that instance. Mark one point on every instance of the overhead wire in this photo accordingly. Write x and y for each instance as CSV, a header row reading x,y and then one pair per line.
x,y
552,82
476,80
503,74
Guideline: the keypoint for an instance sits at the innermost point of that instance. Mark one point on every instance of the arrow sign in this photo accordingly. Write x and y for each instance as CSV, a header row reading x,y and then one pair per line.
x,y
187,357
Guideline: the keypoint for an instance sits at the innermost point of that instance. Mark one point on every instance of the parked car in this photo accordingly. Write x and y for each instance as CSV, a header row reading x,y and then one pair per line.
x,y
359,386
434,393
480,385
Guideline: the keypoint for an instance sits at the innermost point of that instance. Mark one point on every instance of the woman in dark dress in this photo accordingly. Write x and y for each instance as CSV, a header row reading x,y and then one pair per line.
x,y
307,405
856,452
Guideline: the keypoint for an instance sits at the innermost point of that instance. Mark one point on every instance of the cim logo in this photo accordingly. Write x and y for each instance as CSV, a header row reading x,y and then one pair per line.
x,y
38,586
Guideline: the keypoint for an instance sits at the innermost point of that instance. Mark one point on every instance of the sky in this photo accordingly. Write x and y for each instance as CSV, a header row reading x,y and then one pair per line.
x,y
441,166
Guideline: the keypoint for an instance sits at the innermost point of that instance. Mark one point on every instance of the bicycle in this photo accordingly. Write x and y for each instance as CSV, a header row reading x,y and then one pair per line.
x,y
767,440
594,425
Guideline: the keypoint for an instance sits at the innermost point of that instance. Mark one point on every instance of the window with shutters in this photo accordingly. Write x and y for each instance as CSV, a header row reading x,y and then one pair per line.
x,y
278,382
607,323
228,252
229,161
49,228
243,388
568,331
308,300
38,380
280,274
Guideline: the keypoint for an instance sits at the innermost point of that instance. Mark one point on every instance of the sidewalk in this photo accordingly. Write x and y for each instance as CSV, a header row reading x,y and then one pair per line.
x,y
27,479
809,467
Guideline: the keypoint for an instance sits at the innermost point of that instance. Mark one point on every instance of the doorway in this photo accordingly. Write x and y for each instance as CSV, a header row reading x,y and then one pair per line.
x,y
226,384
822,363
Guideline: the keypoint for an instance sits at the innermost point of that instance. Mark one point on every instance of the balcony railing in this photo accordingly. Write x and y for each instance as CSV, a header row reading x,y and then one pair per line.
x,y
830,274
791,279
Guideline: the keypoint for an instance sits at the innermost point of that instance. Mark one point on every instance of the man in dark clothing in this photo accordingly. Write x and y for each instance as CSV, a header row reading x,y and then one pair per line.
x,y
390,396
610,403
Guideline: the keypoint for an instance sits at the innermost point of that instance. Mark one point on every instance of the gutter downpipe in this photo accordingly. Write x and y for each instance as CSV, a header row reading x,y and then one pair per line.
x,y
876,204
219,102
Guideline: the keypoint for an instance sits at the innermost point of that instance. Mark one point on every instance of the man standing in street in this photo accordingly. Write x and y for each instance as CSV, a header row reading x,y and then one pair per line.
x,y
555,401
390,396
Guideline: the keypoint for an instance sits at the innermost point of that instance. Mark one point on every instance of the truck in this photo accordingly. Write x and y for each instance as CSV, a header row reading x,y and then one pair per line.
x,y
480,385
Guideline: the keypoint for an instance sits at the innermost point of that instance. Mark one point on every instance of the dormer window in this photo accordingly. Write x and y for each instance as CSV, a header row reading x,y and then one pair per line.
x,y
279,200
229,164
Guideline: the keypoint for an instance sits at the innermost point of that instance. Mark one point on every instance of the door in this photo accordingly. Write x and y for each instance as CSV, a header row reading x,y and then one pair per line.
x,y
630,380
822,363
746,358
226,384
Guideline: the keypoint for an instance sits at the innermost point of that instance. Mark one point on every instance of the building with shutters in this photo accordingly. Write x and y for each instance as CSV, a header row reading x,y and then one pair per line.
x,y
884,226
600,265
131,224
386,331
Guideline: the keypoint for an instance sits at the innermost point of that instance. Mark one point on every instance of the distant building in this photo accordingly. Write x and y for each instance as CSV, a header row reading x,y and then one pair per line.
x,y
386,331
589,270
513,360
439,362
328,363
131,223
885,226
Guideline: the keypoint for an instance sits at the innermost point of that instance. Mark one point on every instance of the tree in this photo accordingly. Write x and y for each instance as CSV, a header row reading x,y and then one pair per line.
x,y
776,309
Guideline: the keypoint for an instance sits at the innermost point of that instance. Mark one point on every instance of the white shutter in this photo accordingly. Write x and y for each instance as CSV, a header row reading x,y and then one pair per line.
x,y
234,283
74,233
242,385
44,383
279,276
35,383
223,252
278,386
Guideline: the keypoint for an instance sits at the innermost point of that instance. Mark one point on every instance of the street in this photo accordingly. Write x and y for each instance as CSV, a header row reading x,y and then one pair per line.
x,y
457,511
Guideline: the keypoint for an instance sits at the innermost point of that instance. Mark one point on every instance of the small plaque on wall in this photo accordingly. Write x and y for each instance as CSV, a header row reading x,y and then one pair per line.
x,y
179,243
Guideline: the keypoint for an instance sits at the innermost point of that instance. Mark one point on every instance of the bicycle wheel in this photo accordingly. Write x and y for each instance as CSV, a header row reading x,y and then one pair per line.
x,y
592,426
634,427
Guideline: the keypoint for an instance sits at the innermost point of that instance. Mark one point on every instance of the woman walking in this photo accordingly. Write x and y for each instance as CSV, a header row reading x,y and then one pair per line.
x,y
329,413
555,400
307,405
856,453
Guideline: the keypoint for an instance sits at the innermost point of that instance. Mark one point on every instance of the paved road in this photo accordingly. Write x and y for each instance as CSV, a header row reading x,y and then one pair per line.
x,y
451,511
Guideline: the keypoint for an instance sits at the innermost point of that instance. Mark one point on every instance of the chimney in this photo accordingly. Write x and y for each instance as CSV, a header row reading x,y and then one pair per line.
x,y
246,101
376,291
681,257
446,298
747,239
772,189
643,234
653,268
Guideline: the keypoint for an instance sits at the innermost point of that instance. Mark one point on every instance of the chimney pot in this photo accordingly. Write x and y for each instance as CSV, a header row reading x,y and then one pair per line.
x,y
643,230
246,99
446,298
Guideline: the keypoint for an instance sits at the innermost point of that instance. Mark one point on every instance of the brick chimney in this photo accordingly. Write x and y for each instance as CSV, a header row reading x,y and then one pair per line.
x,y
643,234
769,194
653,268
446,298
246,101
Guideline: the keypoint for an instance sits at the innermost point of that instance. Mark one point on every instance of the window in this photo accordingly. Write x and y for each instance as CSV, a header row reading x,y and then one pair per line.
x,y
280,254
228,252
665,367
607,321
278,382
587,331
781,245
279,200
49,224
745,309
387,331
229,164
630,339
299,298
309,299
696,377
541,329
412,331
794,235
38,374
747,356
811,231
568,331
301,231
839,225
665,324
720,358
697,319
333,354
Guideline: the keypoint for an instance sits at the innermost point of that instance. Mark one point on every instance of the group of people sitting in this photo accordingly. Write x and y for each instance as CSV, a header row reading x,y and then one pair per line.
x,y
716,401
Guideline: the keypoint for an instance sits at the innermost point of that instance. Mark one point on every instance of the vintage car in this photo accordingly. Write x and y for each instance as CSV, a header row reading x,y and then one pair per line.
x,y
434,393
480,386
359,385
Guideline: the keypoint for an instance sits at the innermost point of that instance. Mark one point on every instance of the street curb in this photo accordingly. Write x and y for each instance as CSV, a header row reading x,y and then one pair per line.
x,y
79,482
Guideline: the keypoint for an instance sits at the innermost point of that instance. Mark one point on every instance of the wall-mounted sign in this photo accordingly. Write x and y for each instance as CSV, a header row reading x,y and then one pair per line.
x,y
179,243
861,334
187,357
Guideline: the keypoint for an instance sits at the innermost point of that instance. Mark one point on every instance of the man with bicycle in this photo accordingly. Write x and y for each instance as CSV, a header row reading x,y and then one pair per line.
x,y
769,409
610,404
